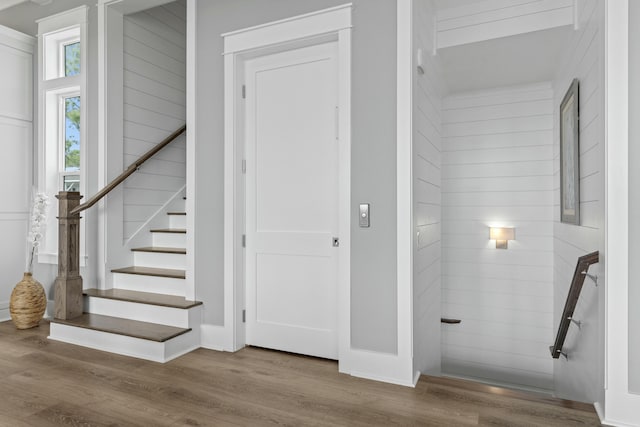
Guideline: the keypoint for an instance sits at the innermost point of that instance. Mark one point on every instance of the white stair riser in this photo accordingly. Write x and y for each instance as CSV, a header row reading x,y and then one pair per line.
x,y
178,221
170,316
159,260
141,283
127,346
170,240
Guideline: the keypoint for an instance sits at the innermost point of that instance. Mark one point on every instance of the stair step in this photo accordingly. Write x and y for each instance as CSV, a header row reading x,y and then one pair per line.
x,y
170,230
176,213
129,328
149,271
161,250
143,298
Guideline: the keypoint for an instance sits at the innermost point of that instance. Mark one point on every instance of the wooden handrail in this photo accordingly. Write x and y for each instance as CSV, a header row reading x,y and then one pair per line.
x,y
582,268
127,172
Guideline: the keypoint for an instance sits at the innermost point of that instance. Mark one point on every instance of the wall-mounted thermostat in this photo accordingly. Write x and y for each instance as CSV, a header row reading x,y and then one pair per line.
x,y
364,215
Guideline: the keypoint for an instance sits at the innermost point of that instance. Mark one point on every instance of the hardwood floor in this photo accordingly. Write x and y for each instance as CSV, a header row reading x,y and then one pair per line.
x,y
48,383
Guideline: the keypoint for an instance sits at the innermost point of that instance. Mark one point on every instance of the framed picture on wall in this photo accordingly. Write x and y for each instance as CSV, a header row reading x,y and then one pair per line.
x,y
570,156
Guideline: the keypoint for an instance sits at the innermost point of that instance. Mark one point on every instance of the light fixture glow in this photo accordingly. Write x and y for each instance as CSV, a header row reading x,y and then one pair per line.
x,y
502,235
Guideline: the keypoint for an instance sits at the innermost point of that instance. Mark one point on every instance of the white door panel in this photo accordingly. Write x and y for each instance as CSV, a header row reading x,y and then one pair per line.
x,y
292,200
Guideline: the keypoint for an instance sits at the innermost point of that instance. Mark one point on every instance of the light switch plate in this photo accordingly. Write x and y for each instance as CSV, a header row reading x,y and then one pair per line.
x,y
364,215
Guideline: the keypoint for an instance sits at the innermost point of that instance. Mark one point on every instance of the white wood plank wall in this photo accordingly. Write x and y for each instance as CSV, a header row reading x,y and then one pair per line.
x,y
428,89
154,106
16,141
491,19
497,169
581,377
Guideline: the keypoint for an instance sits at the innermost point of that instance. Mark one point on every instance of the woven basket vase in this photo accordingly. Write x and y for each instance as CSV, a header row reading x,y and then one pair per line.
x,y
28,303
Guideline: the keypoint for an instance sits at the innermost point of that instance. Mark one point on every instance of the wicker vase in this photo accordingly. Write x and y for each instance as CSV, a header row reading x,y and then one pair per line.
x,y
28,303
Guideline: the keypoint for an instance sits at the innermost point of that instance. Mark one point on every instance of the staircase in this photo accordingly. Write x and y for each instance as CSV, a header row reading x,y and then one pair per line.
x,y
145,314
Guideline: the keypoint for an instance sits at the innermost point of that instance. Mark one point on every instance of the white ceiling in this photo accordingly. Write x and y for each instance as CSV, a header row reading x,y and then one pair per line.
x,y
521,59
6,4
524,58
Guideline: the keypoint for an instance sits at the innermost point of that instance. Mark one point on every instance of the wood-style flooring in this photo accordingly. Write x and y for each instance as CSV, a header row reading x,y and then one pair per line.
x,y
48,383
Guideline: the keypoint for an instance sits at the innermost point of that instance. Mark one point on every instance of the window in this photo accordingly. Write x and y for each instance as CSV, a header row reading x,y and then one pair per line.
x,y
71,55
62,106
70,153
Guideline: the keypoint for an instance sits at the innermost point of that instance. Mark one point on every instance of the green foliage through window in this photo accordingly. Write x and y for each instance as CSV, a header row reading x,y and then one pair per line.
x,y
72,59
72,134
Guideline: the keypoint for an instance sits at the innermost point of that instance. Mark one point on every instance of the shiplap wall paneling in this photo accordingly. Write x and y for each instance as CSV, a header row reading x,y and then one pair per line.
x,y
497,170
500,18
581,378
16,142
427,145
154,106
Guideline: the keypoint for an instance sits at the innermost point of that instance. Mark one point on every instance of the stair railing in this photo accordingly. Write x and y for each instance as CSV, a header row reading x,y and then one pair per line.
x,y
68,286
580,273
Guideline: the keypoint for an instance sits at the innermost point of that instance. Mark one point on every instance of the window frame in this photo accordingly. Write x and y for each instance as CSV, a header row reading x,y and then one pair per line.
x,y
54,34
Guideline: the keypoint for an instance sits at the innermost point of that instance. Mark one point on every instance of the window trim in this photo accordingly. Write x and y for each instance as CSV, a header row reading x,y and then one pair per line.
x,y
51,94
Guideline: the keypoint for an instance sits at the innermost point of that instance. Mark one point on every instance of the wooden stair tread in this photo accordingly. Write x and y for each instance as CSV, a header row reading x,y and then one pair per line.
x,y
169,230
150,271
176,213
161,250
126,327
142,298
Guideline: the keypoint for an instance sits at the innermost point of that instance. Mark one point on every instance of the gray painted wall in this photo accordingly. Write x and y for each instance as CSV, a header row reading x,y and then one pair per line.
x,y
373,268
634,197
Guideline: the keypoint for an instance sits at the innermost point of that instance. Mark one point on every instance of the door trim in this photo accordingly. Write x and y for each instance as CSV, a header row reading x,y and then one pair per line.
x,y
304,30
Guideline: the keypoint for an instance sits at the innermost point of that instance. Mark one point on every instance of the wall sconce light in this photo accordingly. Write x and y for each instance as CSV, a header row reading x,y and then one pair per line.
x,y
502,235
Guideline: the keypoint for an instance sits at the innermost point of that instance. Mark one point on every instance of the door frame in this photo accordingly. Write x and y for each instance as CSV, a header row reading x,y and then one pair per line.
x,y
333,24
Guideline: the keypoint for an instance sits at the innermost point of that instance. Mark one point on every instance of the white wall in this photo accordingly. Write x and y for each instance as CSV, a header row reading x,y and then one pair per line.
x,y
497,170
23,18
427,146
582,377
16,129
154,107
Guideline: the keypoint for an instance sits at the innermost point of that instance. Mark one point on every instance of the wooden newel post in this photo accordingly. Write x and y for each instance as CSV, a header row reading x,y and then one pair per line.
x,y
68,290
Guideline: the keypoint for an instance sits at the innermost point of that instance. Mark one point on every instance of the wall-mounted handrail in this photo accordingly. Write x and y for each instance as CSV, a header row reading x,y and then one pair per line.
x,y
128,171
581,272
68,286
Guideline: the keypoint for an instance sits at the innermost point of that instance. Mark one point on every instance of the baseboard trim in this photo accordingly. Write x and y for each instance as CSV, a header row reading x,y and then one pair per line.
x,y
600,411
384,367
4,311
214,337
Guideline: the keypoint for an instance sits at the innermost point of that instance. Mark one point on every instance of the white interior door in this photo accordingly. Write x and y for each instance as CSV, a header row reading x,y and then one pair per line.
x,y
292,200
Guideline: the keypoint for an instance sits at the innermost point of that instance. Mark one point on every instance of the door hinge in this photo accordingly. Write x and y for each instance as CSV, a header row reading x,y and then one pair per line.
x,y
244,166
244,316
244,240
244,92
